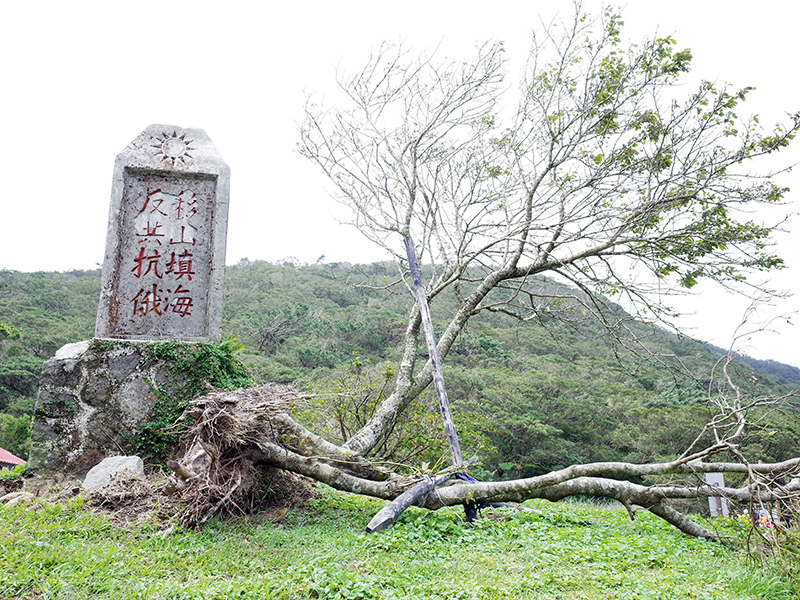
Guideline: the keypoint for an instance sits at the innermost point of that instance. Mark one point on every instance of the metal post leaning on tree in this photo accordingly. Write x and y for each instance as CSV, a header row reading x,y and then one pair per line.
x,y
393,510
433,353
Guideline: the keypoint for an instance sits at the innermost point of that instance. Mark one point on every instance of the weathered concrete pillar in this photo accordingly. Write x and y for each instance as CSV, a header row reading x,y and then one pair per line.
x,y
165,248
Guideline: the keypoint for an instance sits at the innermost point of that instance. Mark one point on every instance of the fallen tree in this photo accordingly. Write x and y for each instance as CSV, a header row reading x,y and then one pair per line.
x,y
601,178
236,433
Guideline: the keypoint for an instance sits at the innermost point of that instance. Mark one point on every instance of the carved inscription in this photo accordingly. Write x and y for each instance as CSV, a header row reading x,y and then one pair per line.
x,y
165,251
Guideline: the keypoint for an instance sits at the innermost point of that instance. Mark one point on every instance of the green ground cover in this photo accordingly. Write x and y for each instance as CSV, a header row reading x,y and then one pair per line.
x,y
69,551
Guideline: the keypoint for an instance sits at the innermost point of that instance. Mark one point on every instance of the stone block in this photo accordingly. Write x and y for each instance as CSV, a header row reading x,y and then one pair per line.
x,y
123,400
56,404
60,372
165,247
91,405
101,473
122,366
135,398
73,351
97,391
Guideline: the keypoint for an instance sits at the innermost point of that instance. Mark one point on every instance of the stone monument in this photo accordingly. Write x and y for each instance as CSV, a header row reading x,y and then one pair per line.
x,y
162,280
165,247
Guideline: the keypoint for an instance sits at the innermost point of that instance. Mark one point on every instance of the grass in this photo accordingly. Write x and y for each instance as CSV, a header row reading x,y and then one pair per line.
x,y
564,551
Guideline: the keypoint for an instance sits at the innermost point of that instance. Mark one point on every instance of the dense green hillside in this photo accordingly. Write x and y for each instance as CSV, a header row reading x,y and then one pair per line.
x,y
42,312
530,397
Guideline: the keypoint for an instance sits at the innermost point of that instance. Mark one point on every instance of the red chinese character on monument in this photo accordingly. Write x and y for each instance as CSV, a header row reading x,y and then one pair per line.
x,y
147,302
157,202
186,206
182,265
151,232
152,263
182,306
183,239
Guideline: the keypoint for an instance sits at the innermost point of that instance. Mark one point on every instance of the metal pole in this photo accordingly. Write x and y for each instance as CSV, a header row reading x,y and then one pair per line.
x,y
433,352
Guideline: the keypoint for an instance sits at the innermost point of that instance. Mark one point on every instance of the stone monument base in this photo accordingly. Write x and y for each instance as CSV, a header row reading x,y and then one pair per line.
x,y
97,397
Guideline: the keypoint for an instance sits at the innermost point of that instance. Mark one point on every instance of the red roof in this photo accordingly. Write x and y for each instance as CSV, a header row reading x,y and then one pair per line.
x,y
9,459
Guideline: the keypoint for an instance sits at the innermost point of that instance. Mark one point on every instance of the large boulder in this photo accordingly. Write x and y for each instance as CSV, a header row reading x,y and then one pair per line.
x,y
101,473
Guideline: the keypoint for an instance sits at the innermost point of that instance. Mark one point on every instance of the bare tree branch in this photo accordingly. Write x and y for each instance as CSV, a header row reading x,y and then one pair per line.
x,y
600,176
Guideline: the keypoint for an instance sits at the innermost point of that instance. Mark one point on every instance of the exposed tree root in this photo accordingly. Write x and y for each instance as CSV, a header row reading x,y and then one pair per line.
x,y
219,473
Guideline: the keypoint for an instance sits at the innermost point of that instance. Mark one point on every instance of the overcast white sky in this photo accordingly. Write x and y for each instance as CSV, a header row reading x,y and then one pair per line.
x,y
80,80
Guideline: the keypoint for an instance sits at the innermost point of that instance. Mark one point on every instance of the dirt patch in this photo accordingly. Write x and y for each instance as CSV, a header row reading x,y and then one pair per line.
x,y
131,499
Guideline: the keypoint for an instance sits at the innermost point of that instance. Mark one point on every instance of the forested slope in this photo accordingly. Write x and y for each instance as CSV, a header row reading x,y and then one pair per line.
x,y
529,397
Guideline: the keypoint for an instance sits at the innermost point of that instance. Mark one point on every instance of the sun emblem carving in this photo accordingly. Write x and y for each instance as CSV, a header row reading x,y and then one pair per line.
x,y
173,148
